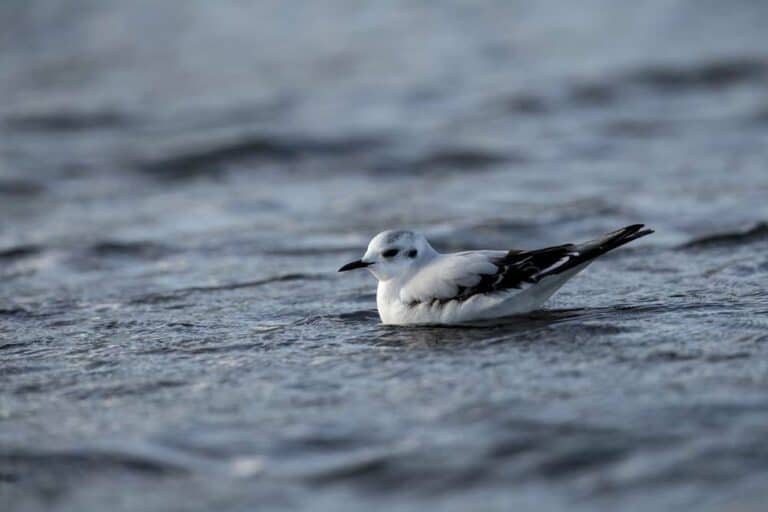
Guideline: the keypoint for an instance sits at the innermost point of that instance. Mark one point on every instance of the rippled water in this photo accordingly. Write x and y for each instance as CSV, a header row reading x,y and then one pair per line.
x,y
179,182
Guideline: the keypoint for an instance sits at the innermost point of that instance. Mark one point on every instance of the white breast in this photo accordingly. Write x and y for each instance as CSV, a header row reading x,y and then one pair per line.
x,y
393,310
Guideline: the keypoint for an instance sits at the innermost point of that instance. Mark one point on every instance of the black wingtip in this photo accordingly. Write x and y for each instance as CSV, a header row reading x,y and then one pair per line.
x,y
640,232
629,230
622,236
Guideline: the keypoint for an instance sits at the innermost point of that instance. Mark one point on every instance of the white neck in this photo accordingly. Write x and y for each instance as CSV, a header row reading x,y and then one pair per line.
x,y
388,292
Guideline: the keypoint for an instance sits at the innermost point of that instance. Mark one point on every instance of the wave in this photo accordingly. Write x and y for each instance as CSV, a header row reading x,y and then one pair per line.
x,y
201,156
20,252
139,249
66,121
712,74
639,128
179,293
21,188
15,311
23,462
756,233
589,93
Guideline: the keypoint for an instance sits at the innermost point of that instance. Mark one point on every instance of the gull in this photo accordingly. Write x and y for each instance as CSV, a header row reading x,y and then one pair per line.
x,y
418,285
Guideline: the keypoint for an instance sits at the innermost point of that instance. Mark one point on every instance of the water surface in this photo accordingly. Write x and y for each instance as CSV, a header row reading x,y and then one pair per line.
x,y
180,181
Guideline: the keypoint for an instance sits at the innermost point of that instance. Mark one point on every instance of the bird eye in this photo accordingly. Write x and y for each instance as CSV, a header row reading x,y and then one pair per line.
x,y
413,253
390,253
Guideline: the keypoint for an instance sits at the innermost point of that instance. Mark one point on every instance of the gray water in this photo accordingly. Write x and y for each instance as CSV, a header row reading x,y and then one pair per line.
x,y
180,180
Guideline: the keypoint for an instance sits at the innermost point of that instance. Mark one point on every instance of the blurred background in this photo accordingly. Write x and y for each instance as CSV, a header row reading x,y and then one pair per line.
x,y
179,181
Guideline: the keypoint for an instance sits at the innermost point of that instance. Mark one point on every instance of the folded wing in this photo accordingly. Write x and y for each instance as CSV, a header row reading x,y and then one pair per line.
x,y
460,276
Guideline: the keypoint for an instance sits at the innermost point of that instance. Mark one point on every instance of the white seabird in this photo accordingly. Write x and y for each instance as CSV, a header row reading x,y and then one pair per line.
x,y
418,285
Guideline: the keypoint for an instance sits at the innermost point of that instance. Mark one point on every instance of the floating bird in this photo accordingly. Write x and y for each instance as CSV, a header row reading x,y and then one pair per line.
x,y
418,285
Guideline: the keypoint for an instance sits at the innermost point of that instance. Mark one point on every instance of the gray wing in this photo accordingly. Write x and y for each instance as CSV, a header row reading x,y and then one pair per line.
x,y
461,276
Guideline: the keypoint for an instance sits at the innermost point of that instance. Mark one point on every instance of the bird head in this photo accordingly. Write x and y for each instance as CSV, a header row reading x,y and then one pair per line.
x,y
393,254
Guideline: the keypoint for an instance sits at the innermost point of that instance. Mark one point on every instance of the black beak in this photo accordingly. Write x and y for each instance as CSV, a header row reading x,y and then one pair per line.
x,y
354,265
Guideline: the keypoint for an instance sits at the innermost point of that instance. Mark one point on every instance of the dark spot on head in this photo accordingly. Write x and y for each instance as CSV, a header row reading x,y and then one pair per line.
x,y
390,253
394,236
413,253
